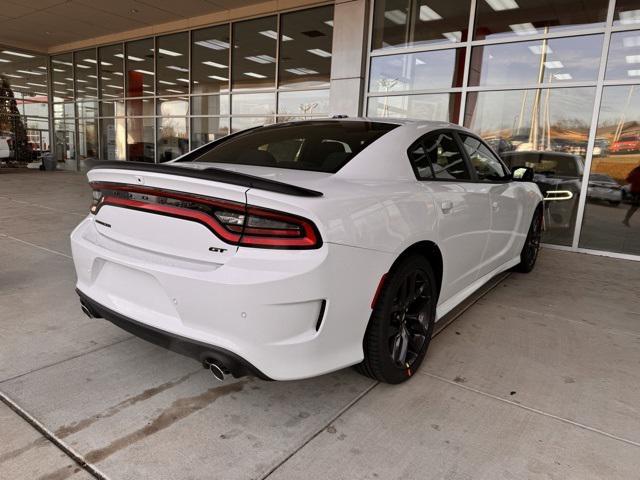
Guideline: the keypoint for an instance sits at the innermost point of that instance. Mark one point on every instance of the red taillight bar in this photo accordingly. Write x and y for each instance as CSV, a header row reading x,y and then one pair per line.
x,y
233,234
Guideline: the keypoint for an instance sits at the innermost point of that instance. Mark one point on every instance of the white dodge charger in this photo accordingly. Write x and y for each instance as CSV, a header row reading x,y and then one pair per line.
x,y
293,250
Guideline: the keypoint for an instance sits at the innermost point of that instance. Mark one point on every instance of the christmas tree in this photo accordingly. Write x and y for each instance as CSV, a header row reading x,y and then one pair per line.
x,y
11,122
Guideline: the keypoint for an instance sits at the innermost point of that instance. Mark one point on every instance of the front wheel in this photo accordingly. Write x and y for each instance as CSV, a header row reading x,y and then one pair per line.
x,y
529,253
401,323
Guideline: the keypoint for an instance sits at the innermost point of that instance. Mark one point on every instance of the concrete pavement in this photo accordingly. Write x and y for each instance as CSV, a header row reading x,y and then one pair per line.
x,y
539,379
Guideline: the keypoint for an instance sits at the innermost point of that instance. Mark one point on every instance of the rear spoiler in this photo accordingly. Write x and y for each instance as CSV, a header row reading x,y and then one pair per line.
x,y
209,173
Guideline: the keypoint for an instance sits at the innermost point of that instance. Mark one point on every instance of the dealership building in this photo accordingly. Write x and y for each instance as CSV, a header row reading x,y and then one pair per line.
x,y
136,81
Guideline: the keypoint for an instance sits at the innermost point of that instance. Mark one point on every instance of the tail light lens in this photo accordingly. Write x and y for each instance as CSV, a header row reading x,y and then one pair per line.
x,y
235,223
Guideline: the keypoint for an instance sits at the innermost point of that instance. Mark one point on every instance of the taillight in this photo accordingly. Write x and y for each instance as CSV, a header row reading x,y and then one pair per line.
x,y
235,223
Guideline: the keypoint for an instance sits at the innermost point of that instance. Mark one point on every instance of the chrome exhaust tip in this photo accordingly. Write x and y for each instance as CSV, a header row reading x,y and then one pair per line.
x,y
217,370
86,311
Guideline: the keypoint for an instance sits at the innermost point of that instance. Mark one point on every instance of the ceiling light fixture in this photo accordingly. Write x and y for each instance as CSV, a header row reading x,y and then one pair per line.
x,y
263,59
254,75
217,77
171,53
214,64
396,16
213,44
562,76
453,36
428,14
627,58
165,82
301,71
629,17
319,52
553,64
499,5
18,54
540,49
523,28
177,69
146,72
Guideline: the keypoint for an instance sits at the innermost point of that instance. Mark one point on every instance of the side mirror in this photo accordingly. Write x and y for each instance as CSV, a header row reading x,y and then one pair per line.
x,y
522,174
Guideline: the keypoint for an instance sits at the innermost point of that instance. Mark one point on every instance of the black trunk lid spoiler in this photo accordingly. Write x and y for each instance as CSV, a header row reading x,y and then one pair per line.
x,y
209,173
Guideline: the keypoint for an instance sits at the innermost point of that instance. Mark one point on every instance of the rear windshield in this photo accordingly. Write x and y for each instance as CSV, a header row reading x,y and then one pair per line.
x,y
321,146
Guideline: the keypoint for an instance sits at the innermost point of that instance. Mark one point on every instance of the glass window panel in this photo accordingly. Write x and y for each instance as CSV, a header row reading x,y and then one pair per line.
x,y
112,138
302,104
417,71
139,68
241,123
210,60
86,68
207,129
87,109
35,109
254,54
62,77
305,48
65,138
172,138
253,103
24,75
140,147
573,59
210,105
173,107
113,108
87,138
437,106
419,22
110,71
64,110
485,163
500,18
173,64
611,218
546,129
140,107
627,13
624,56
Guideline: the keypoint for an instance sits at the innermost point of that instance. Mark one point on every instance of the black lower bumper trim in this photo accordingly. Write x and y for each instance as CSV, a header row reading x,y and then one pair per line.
x,y
200,351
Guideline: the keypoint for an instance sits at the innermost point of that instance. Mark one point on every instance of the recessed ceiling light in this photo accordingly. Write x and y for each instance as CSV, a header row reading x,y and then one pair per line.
x,y
18,54
274,35
146,72
554,64
319,52
428,14
255,75
213,44
13,76
396,16
628,59
185,80
630,17
523,28
453,36
36,84
301,71
171,53
165,82
4,60
60,62
499,5
329,22
214,64
177,69
217,77
263,59
119,87
633,73
30,72
174,91
562,76
540,49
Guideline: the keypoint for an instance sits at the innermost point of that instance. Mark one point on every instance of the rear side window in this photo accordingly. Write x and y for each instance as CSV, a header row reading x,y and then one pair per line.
x,y
321,146
485,163
437,156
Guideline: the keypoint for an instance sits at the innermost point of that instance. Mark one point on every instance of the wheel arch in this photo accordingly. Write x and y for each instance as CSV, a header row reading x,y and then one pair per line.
x,y
431,252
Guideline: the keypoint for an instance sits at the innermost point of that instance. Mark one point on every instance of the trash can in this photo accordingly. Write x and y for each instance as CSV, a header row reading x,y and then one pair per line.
x,y
49,162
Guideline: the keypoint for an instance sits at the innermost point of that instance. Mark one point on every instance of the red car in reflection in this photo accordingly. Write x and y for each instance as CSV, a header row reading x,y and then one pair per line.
x,y
626,144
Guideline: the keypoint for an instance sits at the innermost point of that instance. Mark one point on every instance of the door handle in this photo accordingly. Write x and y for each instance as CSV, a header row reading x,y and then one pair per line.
x,y
446,206
494,205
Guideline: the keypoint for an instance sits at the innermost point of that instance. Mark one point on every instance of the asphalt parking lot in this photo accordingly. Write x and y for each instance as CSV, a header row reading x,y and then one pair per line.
x,y
539,379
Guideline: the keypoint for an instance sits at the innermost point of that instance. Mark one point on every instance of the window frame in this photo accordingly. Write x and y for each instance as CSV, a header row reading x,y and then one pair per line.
x,y
421,141
508,176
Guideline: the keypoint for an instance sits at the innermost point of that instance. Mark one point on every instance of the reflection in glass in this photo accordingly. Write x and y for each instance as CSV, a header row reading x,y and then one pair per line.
x,y
500,18
253,104
624,56
254,53
572,59
417,71
210,105
173,64
87,138
173,107
435,106
65,138
611,218
303,103
110,68
63,110
546,129
140,107
140,146
139,68
627,13
305,48
207,129
87,109
112,138
62,77
241,123
112,108
86,67
210,60
172,138
419,22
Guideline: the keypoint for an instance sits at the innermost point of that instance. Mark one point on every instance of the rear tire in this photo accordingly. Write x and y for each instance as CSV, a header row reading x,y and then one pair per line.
x,y
401,323
529,253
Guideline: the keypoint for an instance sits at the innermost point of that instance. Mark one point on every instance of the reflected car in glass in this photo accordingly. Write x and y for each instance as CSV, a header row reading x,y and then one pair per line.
x,y
603,188
626,144
292,250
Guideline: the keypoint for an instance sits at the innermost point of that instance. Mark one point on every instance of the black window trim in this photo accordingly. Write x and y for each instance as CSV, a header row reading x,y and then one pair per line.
x,y
465,158
508,178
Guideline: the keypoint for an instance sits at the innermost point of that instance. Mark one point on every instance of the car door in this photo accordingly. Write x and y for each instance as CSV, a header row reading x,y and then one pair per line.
x,y
505,199
462,208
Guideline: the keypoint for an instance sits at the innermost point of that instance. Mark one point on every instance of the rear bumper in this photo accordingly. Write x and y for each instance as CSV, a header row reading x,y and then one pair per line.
x,y
277,314
200,351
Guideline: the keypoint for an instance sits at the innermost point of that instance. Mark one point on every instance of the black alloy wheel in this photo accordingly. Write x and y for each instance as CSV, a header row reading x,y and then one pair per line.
x,y
401,323
531,247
